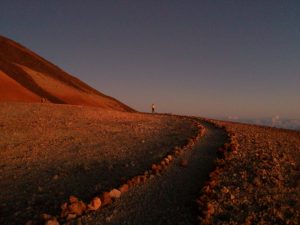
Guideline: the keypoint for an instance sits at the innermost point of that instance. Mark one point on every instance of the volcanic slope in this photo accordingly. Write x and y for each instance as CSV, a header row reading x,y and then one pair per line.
x,y
27,77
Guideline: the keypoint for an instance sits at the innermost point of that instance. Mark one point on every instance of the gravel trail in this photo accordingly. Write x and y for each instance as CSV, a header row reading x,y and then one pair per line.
x,y
169,198
49,152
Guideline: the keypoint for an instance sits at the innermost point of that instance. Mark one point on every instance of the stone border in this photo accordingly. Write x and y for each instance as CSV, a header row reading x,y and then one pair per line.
x,y
76,208
224,153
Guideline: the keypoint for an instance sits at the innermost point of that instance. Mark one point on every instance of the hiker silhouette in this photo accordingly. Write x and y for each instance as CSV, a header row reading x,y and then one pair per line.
x,y
153,108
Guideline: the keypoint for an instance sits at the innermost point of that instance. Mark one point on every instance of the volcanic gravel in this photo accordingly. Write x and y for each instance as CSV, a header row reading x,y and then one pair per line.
x,y
258,183
170,197
49,152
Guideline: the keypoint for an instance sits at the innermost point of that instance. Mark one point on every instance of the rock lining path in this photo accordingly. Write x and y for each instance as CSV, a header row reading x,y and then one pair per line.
x,y
169,198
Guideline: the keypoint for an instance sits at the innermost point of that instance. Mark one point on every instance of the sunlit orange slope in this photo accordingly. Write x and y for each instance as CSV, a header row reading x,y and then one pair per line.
x,y
27,77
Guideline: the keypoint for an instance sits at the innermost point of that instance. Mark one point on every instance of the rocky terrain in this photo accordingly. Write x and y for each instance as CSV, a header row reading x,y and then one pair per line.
x,y
168,195
63,164
49,152
257,178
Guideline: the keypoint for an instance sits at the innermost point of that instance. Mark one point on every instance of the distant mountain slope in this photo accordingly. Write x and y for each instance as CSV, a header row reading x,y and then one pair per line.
x,y
27,77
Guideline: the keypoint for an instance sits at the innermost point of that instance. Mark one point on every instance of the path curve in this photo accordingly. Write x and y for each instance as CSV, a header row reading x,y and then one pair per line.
x,y
170,197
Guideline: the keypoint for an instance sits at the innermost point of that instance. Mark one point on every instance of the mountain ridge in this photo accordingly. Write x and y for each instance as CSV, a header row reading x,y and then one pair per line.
x,y
22,70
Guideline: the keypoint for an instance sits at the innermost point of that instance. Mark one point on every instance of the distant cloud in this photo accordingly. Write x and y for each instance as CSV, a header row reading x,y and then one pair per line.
x,y
233,118
275,121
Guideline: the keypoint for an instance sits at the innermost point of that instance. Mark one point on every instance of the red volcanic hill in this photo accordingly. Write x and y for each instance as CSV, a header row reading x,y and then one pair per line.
x,y
27,77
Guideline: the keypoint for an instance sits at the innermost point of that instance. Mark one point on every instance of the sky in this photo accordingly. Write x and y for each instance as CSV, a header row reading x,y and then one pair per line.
x,y
219,59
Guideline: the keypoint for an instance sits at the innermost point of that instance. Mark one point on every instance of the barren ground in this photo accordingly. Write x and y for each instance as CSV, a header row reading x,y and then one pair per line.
x,y
260,183
49,152
169,198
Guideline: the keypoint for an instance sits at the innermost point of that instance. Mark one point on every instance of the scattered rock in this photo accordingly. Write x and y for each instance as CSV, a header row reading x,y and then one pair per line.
x,y
206,189
124,188
105,199
257,181
46,217
73,199
115,193
74,207
232,197
225,190
94,204
136,180
130,183
77,208
254,178
146,173
71,217
64,209
167,161
177,152
210,209
52,222
154,167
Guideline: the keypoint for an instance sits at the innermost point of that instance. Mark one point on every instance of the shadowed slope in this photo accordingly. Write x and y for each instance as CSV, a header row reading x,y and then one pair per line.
x,y
39,78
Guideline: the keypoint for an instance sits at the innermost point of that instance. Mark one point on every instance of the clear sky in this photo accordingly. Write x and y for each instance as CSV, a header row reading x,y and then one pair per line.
x,y
209,58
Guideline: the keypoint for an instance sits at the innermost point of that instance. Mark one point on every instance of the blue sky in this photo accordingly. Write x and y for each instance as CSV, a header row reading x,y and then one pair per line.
x,y
207,58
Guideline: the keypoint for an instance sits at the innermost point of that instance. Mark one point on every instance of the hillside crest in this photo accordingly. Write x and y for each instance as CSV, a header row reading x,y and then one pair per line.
x,y
27,77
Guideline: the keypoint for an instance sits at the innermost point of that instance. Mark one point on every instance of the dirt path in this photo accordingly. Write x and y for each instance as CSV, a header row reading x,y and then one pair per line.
x,y
49,152
169,198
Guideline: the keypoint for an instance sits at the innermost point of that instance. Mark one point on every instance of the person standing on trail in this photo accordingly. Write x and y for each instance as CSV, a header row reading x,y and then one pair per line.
x,y
153,108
